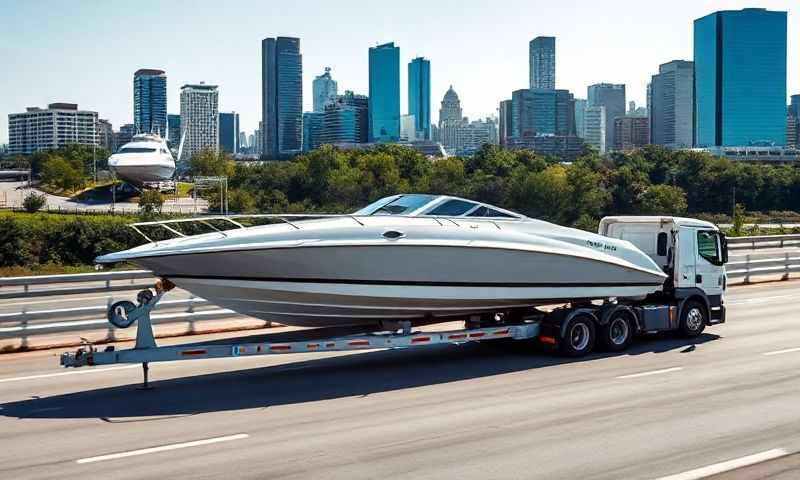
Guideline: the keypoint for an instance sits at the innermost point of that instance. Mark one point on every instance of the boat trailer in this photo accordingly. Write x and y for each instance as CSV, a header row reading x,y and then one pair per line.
x,y
124,313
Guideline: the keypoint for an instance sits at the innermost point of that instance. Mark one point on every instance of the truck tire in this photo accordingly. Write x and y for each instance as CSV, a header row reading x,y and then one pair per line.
x,y
578,337
693,319
617,334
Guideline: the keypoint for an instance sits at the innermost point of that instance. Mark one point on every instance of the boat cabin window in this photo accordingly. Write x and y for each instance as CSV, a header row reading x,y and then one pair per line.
x,y
400,206
137,150
483,211
453,208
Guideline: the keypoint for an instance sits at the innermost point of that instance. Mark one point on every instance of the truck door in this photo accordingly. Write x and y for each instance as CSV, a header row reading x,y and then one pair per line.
x,y
685,258
709,270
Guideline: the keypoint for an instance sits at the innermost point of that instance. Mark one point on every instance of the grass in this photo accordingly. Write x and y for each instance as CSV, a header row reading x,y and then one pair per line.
x,y
57,269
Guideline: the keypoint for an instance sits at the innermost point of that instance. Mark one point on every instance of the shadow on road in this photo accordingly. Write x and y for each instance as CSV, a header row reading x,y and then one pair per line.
x,y
308,381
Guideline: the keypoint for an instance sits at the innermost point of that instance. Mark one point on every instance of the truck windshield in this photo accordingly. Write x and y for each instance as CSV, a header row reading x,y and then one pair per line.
x,y
708,247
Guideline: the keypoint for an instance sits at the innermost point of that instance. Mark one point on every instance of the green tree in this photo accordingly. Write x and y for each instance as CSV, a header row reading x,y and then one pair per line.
x,y
663,200
209,163
150,203
241,201
62,174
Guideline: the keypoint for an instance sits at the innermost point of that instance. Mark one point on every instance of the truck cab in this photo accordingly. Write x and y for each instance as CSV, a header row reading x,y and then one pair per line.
x,y
691,252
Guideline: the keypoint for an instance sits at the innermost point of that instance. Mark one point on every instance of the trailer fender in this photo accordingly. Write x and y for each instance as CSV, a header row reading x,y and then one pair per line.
x,y
608,310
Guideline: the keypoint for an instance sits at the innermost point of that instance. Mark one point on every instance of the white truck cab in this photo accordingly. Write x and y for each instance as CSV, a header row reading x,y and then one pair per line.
x,y
692,252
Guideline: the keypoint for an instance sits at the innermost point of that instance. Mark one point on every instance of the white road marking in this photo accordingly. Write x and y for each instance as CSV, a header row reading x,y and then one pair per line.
x,y
163,448
75,372
778,352
728,466
651,372
60,300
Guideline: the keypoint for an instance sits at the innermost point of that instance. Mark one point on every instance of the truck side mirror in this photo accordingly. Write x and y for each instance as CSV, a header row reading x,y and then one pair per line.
x,y
723,240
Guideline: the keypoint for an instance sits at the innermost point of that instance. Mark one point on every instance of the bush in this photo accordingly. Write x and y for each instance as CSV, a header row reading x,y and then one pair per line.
x,y
34,202
150,203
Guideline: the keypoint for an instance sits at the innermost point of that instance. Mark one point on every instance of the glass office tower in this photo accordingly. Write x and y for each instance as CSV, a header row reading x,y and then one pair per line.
x,y
740,78
229,132
150,101
384,93
419,95
282,96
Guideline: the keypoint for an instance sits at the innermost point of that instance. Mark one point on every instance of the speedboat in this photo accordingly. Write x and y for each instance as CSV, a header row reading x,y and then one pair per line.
x,y
145,159
405,257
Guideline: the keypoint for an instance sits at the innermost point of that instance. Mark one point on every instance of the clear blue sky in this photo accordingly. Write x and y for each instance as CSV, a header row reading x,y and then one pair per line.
x,y
86,51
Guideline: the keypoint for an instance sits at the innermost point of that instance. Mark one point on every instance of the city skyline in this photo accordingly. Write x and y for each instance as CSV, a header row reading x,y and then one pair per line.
x,y
188,54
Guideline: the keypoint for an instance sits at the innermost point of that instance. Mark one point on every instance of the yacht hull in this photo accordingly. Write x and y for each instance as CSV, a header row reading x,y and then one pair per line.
x,y
340,285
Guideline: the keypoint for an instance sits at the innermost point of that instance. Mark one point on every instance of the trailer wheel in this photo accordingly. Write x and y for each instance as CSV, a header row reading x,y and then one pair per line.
x,y
578,337
617,334
693,319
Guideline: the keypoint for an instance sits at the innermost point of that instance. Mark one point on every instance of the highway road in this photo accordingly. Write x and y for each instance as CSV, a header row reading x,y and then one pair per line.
x,y
666,409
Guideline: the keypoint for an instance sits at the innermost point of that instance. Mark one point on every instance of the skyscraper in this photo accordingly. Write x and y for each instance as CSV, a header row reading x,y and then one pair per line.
x,y
324,90
612,97
672,105
282,96
150,101
542,62
506,122
580,115
384,93
740,78
243,145
793,122
631,132
199,118
539,111
419,96
229,132
174,130
312,130
450,110
594,130
346,119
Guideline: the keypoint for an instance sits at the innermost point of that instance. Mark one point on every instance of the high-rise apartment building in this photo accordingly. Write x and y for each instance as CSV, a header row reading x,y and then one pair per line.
x,y
384,93
105,135
150,101
612,98
58,125
199,118
229,132
594,130
324,89
282,96
740,78
542,62
671,107
124,135
419,96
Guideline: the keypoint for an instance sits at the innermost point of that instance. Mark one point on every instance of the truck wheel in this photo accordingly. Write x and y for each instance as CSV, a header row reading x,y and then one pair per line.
x,y
693,319
578,337
617,334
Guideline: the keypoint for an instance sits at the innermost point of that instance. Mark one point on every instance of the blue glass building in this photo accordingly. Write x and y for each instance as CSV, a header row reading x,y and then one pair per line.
x,y
384,93
150,101
282,96
419,95
740,78
173,130
312,128
229,132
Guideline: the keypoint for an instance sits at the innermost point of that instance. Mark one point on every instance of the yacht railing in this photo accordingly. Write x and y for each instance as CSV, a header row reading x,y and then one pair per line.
x,y
287,218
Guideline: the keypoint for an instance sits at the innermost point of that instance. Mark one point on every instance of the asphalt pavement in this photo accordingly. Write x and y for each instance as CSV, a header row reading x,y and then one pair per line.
x,y
725,406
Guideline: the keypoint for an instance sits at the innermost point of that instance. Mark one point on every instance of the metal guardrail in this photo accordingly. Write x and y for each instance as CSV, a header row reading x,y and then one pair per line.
x,y
766,241
741,269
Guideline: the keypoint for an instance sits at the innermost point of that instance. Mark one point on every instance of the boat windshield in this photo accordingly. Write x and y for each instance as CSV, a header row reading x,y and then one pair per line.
x,y
396,205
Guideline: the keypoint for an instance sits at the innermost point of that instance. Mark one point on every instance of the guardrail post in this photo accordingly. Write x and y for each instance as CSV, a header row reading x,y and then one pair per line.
x,y
786,266
747,268
190,309
110,333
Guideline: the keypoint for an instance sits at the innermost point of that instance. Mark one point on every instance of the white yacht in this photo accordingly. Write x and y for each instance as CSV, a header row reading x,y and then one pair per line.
x,y
143,160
